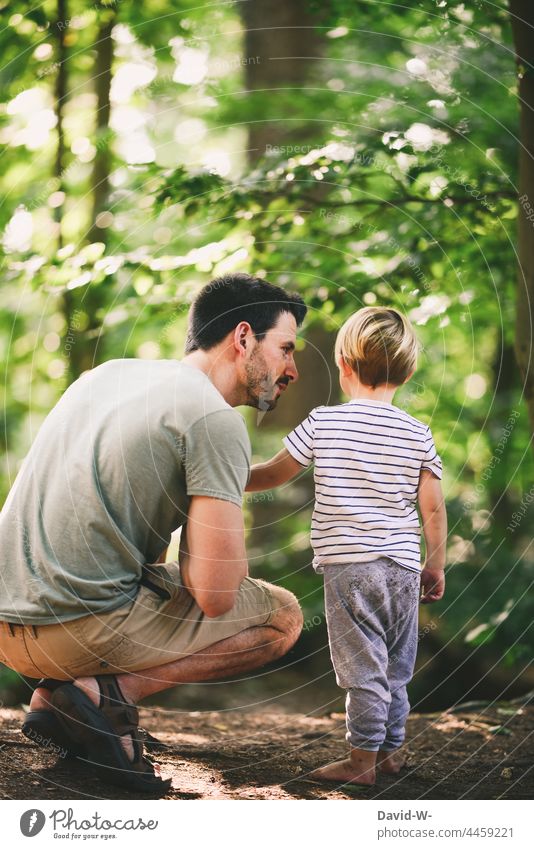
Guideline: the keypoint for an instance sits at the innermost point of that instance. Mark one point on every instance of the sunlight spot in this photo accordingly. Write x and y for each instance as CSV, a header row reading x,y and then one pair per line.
x,y
338,32
56,369
437,185
129,77
136,149
423,137
416,67
190,131
230,263
56,199
420,136
475,386
148,351
43,52
122,34
429,307
162,235
27,102
80,145
104,219
19,231
338,151
51,342
336,84
126,119
192,64
218,162
33,121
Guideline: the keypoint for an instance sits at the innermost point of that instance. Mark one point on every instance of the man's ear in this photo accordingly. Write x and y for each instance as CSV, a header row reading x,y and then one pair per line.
x,y
242,337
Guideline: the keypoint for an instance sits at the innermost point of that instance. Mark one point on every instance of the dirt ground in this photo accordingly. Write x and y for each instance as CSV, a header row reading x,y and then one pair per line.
x,y
471,753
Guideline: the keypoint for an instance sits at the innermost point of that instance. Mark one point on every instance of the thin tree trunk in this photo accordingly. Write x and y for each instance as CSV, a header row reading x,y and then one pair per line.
x,y
522,18
60,94
67,305
505,385
86,349
102,161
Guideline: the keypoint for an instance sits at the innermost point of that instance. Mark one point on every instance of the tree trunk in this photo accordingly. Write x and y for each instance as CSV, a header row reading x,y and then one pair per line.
x,y
280,46
101,165
67,305
522,19
86,349
60,94
505,386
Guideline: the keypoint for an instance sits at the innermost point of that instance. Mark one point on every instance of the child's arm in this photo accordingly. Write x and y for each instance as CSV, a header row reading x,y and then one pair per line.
x,y
434,519
274,472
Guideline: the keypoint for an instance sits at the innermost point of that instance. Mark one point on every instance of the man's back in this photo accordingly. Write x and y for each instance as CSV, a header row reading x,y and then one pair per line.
x,y
108,478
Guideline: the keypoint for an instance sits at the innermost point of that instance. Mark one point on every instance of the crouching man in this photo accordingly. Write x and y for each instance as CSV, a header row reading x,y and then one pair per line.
x,y
133,450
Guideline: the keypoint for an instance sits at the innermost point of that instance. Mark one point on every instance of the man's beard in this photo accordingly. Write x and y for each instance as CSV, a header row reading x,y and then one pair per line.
x,y
261,389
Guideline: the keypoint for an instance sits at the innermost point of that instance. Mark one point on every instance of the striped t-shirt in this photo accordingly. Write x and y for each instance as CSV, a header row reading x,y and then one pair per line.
x,y
368,456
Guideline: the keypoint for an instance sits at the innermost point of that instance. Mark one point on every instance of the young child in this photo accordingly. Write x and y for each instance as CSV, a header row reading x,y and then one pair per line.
x,y
373,464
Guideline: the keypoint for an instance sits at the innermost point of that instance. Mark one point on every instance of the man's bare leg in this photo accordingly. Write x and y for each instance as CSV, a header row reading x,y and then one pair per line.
x,y
247,650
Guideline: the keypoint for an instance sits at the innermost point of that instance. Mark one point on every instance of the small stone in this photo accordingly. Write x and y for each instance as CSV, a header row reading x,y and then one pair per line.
x,y
507,773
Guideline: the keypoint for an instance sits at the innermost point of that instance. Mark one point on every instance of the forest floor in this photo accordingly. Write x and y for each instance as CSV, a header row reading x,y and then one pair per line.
x,y
472,752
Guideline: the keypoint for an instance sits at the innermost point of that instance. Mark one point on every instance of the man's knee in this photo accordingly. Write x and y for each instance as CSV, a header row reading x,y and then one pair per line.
x,y
287,615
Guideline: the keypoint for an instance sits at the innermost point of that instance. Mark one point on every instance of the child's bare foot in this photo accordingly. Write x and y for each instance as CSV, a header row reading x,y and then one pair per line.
x,y
358,768
391,762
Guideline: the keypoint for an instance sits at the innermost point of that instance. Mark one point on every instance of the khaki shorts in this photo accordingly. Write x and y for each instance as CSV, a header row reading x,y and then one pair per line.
x,y
151,631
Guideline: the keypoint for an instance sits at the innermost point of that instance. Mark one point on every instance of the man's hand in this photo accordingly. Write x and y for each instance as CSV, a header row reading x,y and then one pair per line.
x,y
432,585
213,559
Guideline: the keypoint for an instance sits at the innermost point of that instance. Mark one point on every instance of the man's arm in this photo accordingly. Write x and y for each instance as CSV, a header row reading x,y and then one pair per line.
x,y
434,520
273,472
213,559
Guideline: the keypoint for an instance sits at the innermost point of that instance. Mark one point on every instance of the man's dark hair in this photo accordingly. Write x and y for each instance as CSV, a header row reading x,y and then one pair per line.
x,y
227,300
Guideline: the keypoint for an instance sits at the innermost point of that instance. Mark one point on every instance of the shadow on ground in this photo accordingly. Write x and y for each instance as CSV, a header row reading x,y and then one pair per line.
x,y
475,752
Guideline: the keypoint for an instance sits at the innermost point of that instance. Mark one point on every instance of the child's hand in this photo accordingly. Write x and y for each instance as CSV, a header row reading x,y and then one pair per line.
x,y
432,585
274,472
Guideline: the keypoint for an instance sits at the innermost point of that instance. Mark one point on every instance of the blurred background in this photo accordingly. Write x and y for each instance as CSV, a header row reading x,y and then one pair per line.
x,y
357,152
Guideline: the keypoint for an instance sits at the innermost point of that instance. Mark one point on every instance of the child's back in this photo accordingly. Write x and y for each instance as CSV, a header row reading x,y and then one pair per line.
x,y
368,457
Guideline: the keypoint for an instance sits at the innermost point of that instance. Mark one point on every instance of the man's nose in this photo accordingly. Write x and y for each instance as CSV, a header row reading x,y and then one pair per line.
x,y
291,370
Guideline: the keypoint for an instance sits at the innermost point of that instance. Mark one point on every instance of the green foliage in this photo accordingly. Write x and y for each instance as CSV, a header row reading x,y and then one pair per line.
x,y
392,181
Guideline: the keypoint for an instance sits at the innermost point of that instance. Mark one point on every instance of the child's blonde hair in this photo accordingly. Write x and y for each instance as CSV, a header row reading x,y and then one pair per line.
x,y
380,346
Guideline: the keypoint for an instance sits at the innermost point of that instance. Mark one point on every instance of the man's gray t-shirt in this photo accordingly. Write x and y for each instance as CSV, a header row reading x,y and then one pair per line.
x,y
108,478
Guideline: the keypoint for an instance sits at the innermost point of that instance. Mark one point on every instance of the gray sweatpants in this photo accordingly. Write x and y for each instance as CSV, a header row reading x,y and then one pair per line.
x,y
372,615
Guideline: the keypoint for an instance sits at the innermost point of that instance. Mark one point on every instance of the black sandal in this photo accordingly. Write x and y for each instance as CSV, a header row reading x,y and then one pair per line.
x,y
44,728
99,729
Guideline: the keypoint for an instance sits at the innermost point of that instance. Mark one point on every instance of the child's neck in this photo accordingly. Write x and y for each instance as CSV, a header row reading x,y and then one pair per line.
x,y
359,392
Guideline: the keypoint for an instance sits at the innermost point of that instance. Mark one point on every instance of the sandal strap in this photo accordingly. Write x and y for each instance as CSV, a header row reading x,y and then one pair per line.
x,y
124,717
50,683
